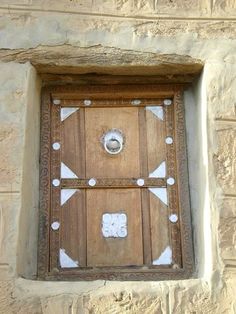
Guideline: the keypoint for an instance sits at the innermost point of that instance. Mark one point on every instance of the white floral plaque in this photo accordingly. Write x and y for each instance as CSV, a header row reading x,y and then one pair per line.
x,y
114,225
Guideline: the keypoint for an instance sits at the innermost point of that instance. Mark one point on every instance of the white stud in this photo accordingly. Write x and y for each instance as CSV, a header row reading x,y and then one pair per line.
x,y
136,102
173,218
170,181
55,225
55,182
169,140
56,146
92,182
167,102
140,182
87,102
56,101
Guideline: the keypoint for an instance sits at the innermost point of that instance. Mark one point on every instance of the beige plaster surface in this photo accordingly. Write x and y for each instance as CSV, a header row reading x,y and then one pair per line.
x,y
84,36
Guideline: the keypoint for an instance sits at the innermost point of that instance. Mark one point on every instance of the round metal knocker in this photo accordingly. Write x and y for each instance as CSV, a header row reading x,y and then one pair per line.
x,y
113,141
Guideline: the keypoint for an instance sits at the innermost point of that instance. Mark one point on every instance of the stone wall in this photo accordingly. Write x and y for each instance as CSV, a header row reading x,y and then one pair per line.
x,y
120,37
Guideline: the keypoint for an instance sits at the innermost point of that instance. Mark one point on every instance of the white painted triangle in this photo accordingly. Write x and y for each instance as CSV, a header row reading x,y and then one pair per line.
x,y
157,111
66,112
159,172
161,193
66,261
66,194
165,258
66,173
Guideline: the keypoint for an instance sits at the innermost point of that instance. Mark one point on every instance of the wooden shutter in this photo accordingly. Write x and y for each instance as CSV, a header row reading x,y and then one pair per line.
x,y
108,215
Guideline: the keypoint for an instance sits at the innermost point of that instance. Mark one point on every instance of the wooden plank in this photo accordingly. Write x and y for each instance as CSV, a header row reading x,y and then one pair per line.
x,y
156,147
99,163
112,183
55,190
92,79
160,238
115,91
73,228
45,185
103,251
184,240
109,102
72,143
173,197
144,192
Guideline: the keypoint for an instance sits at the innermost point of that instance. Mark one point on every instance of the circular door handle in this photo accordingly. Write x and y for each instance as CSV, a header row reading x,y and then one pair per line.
x,y
113,142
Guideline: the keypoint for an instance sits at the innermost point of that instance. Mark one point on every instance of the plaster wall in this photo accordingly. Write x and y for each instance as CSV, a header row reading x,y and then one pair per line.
x,y
120,37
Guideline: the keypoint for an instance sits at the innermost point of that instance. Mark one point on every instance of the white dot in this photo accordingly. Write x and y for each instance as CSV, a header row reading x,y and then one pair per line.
x,y
56,146
55,225
92,182
170,181
169,140
56,101
87,102
173,218
167,102
106,218
56,182
136,102
140,182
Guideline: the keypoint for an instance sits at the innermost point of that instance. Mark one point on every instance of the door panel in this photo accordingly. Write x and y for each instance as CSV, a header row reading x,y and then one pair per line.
x,y
99,163
72,139
114,251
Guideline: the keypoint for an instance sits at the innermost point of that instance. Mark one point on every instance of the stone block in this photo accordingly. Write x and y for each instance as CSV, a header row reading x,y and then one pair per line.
x,y
167,8
194,8
227,229
13,85
224,8
221,88
224,158
9,215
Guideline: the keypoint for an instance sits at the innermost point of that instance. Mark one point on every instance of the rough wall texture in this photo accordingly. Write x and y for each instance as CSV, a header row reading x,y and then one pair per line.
x,y
111,37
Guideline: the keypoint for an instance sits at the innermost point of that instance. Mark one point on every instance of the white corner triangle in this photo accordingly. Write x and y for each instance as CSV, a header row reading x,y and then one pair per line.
x,y
66,261
66,112
66,194
161,193
165,258
66,173
159,172
157,111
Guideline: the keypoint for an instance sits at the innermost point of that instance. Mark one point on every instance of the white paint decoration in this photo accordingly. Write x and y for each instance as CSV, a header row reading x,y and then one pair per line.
x,y
167,102
161,193
66,261
92,182
169,140
66,112
114,225
66,173
56,101
87,102
140,182
157,111
159,172
55,225
56,146
170,181
173,218
66,194
55,182
165,258
136,102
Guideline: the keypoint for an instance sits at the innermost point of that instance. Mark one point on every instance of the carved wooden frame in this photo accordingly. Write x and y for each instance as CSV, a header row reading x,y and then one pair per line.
x,y
177,159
